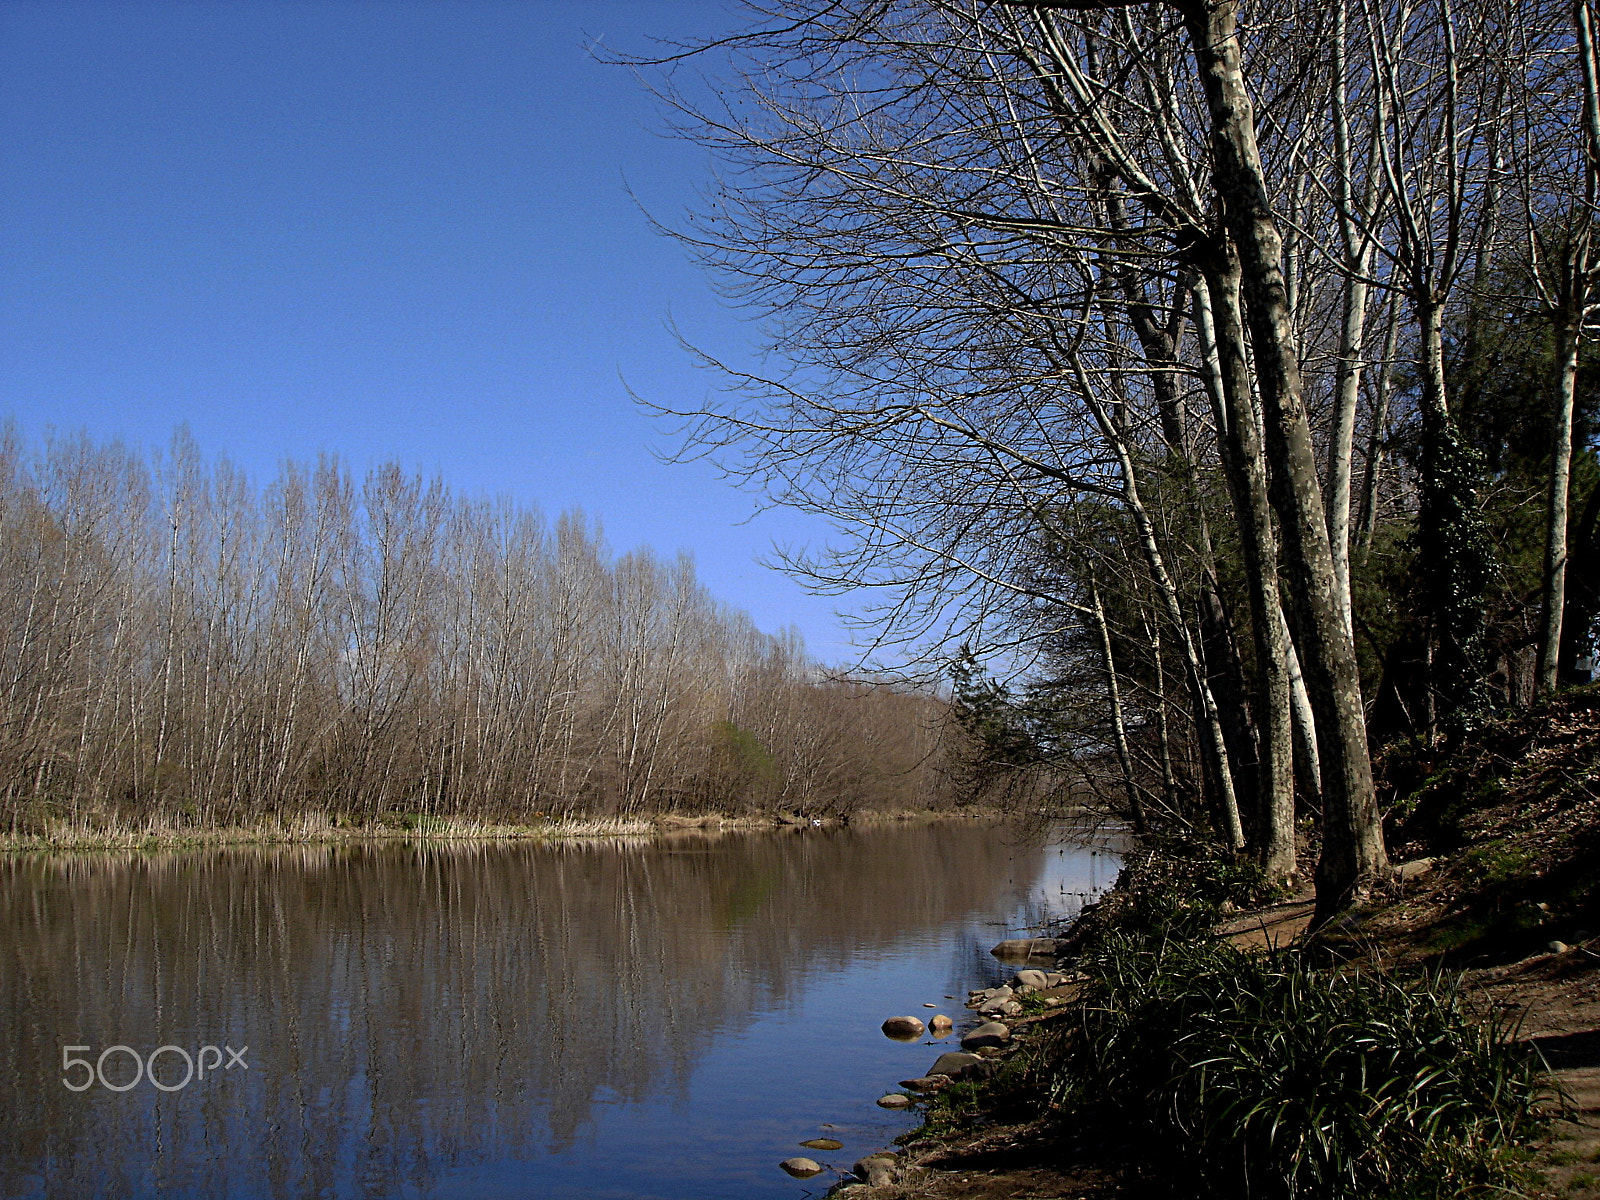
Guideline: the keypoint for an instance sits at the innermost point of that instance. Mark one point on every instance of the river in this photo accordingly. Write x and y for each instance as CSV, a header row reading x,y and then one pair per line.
x,y
660,1020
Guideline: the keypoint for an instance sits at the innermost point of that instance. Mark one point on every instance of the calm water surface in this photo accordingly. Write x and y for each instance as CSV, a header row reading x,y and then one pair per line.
x,y
662,1020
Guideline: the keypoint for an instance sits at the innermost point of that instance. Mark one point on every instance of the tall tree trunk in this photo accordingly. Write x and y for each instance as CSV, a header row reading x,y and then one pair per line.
x,y
1453,551
1119,726
1353,852
1577,277
1208,719
1371,480
1555,546
1244,466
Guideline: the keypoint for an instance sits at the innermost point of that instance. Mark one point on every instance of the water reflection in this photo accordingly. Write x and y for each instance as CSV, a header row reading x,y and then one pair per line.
x,y
414,1010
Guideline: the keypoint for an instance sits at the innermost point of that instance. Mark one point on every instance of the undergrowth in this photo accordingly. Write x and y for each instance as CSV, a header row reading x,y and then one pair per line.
x,y
1257,1074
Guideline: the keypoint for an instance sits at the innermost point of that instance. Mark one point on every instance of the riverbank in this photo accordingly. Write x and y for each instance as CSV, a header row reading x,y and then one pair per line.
x,y
1495,901
999,1140
319,829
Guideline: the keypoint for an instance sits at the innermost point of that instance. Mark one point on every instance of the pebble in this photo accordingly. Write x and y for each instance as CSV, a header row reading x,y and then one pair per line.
x,y
895,1100
1558,947
801,1168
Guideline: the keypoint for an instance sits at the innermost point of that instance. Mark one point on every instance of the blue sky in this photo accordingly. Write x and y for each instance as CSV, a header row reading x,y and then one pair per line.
x,y
396,229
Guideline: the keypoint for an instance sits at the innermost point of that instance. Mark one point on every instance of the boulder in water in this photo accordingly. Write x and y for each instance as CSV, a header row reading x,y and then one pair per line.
x,y
903,1028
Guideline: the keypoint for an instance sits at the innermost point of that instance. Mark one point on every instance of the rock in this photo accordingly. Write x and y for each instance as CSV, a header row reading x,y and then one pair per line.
x,y
822,1144
954,1064
1014,948
1011,1008
1029,978
927,1005
903,1028
801,1168
1055,978
1581,935
895,1100
991,1034
925,1083
940,1025
876,1169
1558,947
993,1000
1414,868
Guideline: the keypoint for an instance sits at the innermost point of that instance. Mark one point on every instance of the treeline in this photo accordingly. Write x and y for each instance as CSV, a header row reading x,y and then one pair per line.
x,y
1212,372
179,646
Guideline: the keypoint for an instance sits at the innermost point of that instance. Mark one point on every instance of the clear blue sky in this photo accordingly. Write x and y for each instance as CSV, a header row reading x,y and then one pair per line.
x,y
394,229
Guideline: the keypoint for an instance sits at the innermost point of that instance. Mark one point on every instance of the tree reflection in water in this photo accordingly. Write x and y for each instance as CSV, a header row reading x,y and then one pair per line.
x,y
413,1009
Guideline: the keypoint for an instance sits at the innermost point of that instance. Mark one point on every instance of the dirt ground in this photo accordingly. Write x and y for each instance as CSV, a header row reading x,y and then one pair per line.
x,y
1552,999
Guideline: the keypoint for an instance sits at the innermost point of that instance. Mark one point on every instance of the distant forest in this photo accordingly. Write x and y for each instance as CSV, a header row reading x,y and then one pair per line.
x,y
179,646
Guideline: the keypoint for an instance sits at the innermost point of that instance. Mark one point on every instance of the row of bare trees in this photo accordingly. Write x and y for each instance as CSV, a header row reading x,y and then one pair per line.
x,y
1121,333
179,645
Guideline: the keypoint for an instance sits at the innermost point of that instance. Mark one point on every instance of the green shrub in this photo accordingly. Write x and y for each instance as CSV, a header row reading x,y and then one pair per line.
x,y
1256,1075
1179,890
1495,863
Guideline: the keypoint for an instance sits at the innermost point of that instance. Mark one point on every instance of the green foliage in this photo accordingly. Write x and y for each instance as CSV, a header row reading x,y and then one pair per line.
x,y
1180,890
1495,864
744,753
949,1111
989,715
1456,564
1259,1075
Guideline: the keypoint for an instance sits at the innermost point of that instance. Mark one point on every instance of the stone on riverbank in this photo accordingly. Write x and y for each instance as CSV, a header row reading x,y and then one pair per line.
x,y
801,1168
993,1033
902,1028
1015,948
940,1025
927,1083
876,1169
895,1100
957,1064
1029,979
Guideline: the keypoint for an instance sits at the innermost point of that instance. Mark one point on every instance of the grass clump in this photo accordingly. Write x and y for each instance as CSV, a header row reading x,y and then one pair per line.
x,y
1256,1074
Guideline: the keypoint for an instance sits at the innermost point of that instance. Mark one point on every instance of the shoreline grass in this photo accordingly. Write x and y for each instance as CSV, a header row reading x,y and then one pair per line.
x,y
319,829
